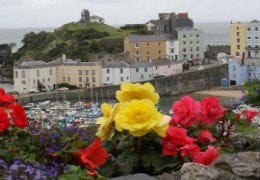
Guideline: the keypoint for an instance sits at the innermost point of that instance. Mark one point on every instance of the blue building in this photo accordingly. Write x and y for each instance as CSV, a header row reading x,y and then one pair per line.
x,y
241,71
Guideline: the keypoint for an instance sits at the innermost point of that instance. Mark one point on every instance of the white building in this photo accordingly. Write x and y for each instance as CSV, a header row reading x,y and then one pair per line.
x,y
166,68
172,49
115,73
141,71
96,19
29,75
190,44
253,39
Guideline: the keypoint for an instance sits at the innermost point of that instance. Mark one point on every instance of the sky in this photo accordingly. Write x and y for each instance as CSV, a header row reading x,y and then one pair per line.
x,y
54,13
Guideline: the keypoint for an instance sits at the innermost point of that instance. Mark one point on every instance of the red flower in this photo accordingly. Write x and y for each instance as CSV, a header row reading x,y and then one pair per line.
x,y
185,112
4,121
208,157
190,150
210,110
5,98
93,156
205,136
249,115
174,140
19,116
237,115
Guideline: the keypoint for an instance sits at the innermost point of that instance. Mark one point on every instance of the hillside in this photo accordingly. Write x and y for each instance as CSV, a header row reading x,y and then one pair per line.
x,y
73,40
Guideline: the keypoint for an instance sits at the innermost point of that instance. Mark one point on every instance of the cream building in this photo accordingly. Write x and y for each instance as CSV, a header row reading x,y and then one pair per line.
x,y
28,75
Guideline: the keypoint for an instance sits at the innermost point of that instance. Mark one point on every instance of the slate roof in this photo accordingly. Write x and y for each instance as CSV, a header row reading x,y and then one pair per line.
x,y
33,63
254,21
157,37
116,64
63,61
161,62
140,64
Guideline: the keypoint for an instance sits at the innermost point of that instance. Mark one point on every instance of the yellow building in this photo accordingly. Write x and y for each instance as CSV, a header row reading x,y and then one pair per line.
x,y
145,47
80,74
238,39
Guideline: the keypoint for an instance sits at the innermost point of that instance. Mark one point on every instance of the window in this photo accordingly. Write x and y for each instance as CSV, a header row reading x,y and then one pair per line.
x,y
238,47
16,74
147,44
23,82
156,67
256,46
172,50
148,53
86,72
159,52
237,28
136,70
145,70
191,56
238,40
87,79
248,37
49,80
197,42
197,35
64,79
191,49
107,78
237,53
198,55
136,45
93,72
256,37
23,74
238,33
50,71
142,76
184,42
184,50
108,71
148,58
137,53
184,55
197,48
93,79
80,79
184,36
136,59
249,29
43,80
256,28
159,57
121,79
80,72
68,78
121,71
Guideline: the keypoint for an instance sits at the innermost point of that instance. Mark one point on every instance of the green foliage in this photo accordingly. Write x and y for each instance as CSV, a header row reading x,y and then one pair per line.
x,y
253,92
212,51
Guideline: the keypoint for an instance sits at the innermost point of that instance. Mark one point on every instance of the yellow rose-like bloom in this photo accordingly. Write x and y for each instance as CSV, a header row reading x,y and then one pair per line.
x,y
131,91
138,117
106,129
161,128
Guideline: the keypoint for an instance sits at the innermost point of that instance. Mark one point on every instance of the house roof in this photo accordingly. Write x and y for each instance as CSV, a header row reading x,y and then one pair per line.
x,y
116,64
63,61
140,64
157,37
32,63
254,21
161,62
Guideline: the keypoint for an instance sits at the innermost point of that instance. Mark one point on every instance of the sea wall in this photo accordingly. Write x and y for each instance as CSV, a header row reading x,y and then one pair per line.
x,y
172,85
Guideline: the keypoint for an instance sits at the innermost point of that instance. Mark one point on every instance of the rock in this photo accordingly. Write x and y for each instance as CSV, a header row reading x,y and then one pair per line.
x,y
166,176
138,176
194,171
243,164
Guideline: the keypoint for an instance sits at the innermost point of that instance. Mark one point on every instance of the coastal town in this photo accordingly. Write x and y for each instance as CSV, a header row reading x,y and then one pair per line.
x,y
150,99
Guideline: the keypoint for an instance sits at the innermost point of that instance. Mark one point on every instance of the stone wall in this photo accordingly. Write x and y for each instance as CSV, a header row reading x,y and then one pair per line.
x,y
172,85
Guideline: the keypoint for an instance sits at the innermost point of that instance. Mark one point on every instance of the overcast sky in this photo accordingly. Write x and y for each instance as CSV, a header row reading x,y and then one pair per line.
x,y
54,13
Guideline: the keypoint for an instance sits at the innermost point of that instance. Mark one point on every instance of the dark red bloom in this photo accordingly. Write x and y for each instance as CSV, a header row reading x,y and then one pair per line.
x,y
5,98
174,140
190,150
93,156
19,116
205,136
4,120
185,112
249,115
210,110
208,157
237,115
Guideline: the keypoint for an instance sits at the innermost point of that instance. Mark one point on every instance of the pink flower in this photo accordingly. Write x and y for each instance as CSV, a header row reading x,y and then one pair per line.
x,y
185,112
208,157
250,115
210,110
174,140
205,136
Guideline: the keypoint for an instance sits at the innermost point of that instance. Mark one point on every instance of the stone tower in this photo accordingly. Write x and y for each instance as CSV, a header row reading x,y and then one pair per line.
x,y
85,16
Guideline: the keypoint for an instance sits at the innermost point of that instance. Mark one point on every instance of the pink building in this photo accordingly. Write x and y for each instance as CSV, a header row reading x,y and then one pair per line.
x,y
165,68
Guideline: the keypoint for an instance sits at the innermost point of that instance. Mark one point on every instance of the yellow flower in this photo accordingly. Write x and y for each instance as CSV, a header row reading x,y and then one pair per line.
x,y
106,128
138,117
131,91
161,128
